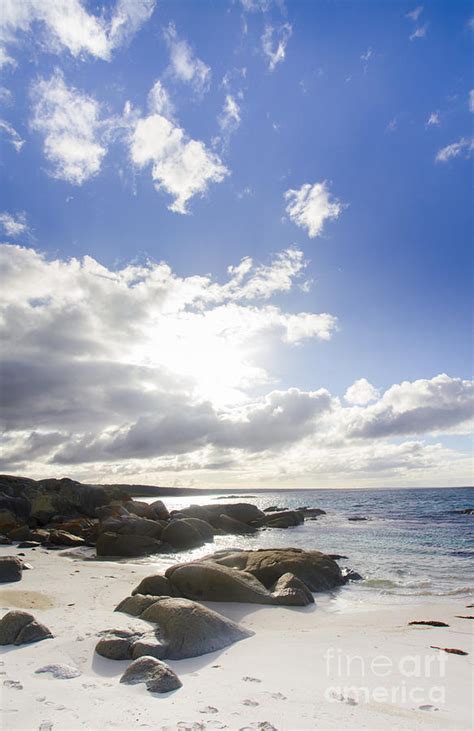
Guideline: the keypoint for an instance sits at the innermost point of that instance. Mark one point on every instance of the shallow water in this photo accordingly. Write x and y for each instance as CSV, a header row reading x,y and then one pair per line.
x,y
413,544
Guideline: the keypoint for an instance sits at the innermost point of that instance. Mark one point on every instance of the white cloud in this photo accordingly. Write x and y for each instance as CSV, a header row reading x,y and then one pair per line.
x,y
392,126
311,206
471,100
415,14
70,123
59,25
419,32
184,65
159,101
181,166
14,225
367,55
433,120
229,120
274,43
14,138
361,392
464,147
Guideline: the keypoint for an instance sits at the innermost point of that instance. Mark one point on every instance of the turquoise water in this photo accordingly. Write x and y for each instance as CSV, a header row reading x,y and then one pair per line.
x,y
413,544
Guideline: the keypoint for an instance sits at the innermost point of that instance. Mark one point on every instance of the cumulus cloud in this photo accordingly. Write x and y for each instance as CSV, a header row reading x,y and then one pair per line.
x,y
59,25
463,148
181,166
13,137
167,374
361,392
70,124
12,225
185,66
311,206
274,43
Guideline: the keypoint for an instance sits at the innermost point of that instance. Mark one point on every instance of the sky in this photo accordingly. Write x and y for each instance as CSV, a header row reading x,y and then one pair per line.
x,y
236,242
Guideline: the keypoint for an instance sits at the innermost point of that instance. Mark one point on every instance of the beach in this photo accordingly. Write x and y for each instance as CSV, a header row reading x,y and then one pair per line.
x,y
336,664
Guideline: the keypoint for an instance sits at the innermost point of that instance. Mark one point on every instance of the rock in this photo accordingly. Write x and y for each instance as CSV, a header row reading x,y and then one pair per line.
x,y
465,511
291,590
60,671
10,569
208,581
311,512
18,628
160,510
132,525
150,646
356,518
141,509
135,605
113,544
8,521
157,676
180,534
193,511
22,533
205,529
29,544
315,569
188,629
351,575
33,632
116,644
430,622
82,527
272,509
40,535
284,519
244,512
63,538
156,585
5,541
234,527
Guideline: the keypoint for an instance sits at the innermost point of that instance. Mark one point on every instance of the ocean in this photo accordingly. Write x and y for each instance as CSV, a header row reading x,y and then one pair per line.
x,y
413,544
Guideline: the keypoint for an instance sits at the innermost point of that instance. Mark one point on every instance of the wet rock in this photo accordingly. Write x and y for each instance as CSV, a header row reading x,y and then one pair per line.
x,y
357,518
10,569
157,676
430,622
351,575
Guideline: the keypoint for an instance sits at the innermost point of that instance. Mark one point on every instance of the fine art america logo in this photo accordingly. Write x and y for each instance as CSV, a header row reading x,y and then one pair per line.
x,y
405,680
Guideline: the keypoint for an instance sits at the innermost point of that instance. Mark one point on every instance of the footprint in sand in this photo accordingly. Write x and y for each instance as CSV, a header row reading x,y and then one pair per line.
x,y
428,707
45,726
15,684
209,709
259,726
279,696
250,702
249,679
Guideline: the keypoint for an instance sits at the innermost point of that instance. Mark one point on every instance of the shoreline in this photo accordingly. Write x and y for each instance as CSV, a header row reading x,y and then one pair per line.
x,y
292,674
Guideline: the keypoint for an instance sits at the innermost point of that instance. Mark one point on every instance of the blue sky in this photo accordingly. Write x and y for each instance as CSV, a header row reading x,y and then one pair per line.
x,y
337,132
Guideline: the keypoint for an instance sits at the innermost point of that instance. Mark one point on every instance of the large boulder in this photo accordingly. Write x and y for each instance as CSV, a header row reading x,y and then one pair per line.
x,y
20,628
205,529
160,510
315,569
8,521
181,535
10,569
207,581
188,629
116,644
156,585
128,525
243,512
113,544
141,509
136,604
233,526
157,676
63,538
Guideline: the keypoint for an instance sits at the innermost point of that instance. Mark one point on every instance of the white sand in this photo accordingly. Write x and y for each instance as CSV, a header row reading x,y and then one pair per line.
x,y
280,678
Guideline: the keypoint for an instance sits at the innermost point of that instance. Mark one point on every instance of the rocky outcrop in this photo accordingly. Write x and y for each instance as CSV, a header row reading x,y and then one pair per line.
x,y
233,526
157,676
208,581
315,569
182,535
156,585
20,628
129,546
291,591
